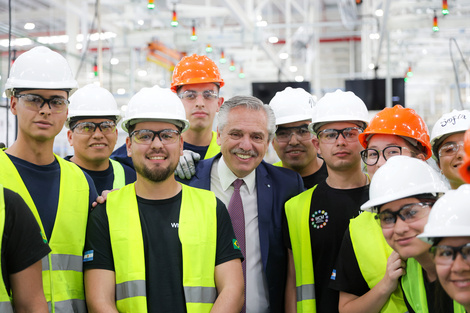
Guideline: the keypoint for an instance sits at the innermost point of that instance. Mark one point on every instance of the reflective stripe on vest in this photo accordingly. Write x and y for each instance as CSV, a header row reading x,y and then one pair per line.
x,y
73,305
213,148
297,212
5,303
415,292
119,175
366,235
64,282
198,235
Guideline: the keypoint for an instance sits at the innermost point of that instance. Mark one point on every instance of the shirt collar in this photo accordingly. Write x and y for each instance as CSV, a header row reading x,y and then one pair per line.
x,y
227,177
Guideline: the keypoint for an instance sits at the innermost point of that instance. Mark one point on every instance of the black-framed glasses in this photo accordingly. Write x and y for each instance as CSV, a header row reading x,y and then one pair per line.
x,y
330,135
408,213
146,136
284,134
36,102
445,255
371,156
88,128
450,148
192,95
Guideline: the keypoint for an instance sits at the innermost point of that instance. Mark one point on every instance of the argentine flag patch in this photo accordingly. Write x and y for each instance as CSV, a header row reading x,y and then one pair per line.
x,y
88,256
333,275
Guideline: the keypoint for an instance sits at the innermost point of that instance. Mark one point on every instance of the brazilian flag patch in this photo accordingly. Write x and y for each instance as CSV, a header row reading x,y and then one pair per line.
x,y
235,244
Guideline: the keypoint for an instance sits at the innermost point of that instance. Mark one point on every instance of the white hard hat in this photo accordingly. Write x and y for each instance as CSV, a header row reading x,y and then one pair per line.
x,y
450,216
92,101
292,105
449,124
339,106
155,104
40,68
402,177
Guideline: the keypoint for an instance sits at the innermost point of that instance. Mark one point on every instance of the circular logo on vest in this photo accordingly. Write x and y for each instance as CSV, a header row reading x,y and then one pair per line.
x,y
319,219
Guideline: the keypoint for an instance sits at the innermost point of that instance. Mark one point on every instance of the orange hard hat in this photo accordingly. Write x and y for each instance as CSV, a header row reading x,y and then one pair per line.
x,y
398,121
465,167
195,69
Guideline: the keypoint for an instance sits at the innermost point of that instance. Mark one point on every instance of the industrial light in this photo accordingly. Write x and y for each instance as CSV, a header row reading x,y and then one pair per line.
x,y
283,55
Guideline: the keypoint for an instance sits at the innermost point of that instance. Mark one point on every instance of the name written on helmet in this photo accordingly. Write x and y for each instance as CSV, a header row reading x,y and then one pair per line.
x,y
452,120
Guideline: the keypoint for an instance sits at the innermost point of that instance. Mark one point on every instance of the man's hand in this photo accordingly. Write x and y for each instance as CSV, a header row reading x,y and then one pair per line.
x,y
187,166
102,199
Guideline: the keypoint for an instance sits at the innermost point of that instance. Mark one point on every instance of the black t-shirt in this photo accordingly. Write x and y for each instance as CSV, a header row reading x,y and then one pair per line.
x,y
162,248
104,180
330,212
348,276
43,184
202,150
315,178
22,243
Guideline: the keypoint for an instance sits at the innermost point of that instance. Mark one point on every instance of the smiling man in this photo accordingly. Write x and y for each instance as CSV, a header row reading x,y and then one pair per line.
x,y
294,109
318,217
157,245
245,128
92,119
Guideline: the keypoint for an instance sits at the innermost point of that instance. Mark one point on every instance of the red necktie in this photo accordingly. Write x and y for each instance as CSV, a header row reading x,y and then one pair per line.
x,y
237,215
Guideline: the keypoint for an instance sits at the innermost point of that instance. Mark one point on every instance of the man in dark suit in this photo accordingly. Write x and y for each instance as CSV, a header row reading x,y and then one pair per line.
x,y
245,128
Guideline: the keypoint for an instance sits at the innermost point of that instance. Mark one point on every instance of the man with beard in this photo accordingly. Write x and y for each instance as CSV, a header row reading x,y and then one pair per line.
x,y
245,128
318,217
157,245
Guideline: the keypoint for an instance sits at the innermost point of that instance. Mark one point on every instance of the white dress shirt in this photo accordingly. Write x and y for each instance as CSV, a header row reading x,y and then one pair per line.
x,y
257,297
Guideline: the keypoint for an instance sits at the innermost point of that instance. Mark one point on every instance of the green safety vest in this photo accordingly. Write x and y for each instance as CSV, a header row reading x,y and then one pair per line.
x,y
298,211
5,302
365,233
415,292
119,175
213,148
197,233
62,268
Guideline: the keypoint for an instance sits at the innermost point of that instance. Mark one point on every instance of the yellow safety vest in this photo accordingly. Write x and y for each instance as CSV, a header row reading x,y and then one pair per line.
x,y
197,233
62,269
119,175
278,164
298,211
213,148
366,236
415,292
5,302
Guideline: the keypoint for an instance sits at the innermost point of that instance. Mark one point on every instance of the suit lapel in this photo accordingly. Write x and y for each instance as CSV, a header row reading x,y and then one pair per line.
x,y
265,207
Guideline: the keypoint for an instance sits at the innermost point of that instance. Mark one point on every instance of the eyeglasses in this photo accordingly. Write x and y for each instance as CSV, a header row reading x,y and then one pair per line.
x,y
408,213
330,135
192,95
88,128
284,134
371,156
445,255
146,136
36,102
450,148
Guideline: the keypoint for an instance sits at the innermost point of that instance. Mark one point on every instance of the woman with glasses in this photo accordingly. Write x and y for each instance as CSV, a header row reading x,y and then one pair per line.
x,y
360,275
449,232
402,194
447,144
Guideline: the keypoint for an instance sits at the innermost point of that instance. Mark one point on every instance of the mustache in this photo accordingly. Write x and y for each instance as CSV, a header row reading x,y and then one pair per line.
x,y
242,151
